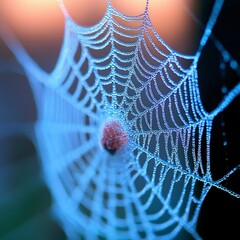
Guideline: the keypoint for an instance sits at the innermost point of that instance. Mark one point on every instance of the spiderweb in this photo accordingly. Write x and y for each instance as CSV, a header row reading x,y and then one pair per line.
x,y
121,69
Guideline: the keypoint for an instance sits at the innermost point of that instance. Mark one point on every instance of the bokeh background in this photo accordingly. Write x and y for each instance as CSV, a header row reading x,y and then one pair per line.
x,y
25,201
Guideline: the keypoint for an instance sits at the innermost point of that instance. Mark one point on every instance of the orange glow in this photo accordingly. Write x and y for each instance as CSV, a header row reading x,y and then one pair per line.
x,y
174,25
86,12
32,18
130,7
40,23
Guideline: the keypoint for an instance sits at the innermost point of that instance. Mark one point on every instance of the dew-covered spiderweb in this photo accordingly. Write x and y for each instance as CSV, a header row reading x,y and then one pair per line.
x,y
120,69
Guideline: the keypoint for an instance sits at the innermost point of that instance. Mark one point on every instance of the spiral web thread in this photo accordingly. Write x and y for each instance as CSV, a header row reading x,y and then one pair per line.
x,y
120,68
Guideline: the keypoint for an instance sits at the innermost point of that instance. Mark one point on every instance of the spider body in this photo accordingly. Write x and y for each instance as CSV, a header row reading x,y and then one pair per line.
x,y
114,136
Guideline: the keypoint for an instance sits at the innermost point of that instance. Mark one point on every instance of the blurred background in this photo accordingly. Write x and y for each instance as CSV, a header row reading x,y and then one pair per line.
x,y
25,201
